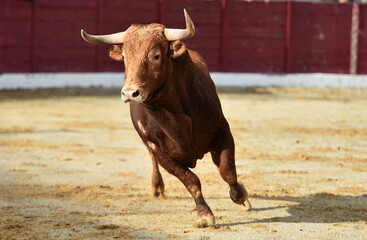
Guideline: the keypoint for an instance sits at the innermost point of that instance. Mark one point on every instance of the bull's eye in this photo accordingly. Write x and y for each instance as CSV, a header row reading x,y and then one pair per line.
x,y
157,56
123,56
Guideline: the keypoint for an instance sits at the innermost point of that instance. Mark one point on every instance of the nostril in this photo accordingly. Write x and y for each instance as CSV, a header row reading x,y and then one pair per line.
x,y
135,94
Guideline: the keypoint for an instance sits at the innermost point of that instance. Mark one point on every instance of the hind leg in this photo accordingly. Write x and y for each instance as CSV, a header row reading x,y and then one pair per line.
x,y
223,158
157,183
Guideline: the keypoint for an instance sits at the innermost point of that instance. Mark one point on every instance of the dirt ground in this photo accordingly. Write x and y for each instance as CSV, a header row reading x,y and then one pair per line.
x,y
72,167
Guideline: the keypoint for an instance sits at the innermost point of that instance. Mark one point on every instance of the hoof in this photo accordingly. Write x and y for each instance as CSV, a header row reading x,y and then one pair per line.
x,y
241,200
156,192
204,221
245,206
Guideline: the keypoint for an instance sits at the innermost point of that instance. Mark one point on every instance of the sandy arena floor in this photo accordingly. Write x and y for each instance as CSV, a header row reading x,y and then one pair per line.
x,y
72,167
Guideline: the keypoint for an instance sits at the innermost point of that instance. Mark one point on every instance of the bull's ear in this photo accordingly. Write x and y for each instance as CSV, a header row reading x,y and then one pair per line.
x,y
178,48
116,52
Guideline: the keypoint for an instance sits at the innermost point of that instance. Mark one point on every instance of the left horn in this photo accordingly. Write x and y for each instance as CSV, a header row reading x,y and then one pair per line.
x,y
110,39
172,34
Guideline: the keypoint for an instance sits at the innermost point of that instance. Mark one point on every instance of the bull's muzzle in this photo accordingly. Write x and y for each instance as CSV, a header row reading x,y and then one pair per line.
x,y
131,95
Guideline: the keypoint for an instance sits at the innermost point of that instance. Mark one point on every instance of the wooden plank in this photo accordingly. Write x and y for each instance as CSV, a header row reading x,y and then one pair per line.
x,y
320,37
15,36
256,37
362,40
58,46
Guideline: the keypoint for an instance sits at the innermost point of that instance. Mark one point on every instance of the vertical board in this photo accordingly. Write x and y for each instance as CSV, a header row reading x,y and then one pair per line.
x,y
118,15
256,40
362,41
320,37
58,46
206,16
15,36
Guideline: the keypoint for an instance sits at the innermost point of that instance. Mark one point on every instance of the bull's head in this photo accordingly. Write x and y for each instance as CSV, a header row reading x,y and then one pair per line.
x,y
147,52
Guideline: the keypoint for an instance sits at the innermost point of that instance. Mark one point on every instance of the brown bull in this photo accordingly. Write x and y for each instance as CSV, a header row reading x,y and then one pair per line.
x,y
174,107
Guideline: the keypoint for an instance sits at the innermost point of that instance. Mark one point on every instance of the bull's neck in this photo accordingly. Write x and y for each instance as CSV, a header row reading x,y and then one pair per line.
x,y
177,87
182,80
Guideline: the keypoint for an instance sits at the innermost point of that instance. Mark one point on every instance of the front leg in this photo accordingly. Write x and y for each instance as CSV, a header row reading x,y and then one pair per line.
x,y
192,183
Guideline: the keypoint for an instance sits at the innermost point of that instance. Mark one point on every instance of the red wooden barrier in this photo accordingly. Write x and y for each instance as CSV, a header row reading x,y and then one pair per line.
x,y
232,35
362,41
15,36
320,37
57,45
255,38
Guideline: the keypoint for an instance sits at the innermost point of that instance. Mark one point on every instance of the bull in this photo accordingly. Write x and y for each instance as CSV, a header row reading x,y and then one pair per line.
x,y
174,108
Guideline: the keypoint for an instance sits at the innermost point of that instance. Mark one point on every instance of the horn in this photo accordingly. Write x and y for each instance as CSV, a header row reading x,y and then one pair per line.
x,y
109,39
172,34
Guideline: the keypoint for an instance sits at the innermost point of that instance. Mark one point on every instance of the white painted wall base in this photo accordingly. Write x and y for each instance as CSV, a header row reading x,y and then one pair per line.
x,y
60,80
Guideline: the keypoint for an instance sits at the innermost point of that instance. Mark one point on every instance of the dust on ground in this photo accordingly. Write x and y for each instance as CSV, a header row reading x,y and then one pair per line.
x,y
72,167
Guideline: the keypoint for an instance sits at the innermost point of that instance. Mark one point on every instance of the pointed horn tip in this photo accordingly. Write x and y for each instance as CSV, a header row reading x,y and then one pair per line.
x,y
187,17
84,35
186,13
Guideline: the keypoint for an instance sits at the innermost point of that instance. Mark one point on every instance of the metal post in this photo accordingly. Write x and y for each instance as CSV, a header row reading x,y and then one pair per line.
x,y
288,55
354,39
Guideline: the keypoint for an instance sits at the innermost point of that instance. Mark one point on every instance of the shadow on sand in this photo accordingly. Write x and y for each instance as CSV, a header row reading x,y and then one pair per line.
x,y
318,208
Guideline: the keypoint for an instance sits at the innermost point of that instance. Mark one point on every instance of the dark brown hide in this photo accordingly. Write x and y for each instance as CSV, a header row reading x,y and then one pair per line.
x,y
185,123
181,120
176,111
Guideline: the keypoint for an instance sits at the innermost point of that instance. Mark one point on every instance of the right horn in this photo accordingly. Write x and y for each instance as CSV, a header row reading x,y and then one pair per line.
x,y
172,34
109,39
